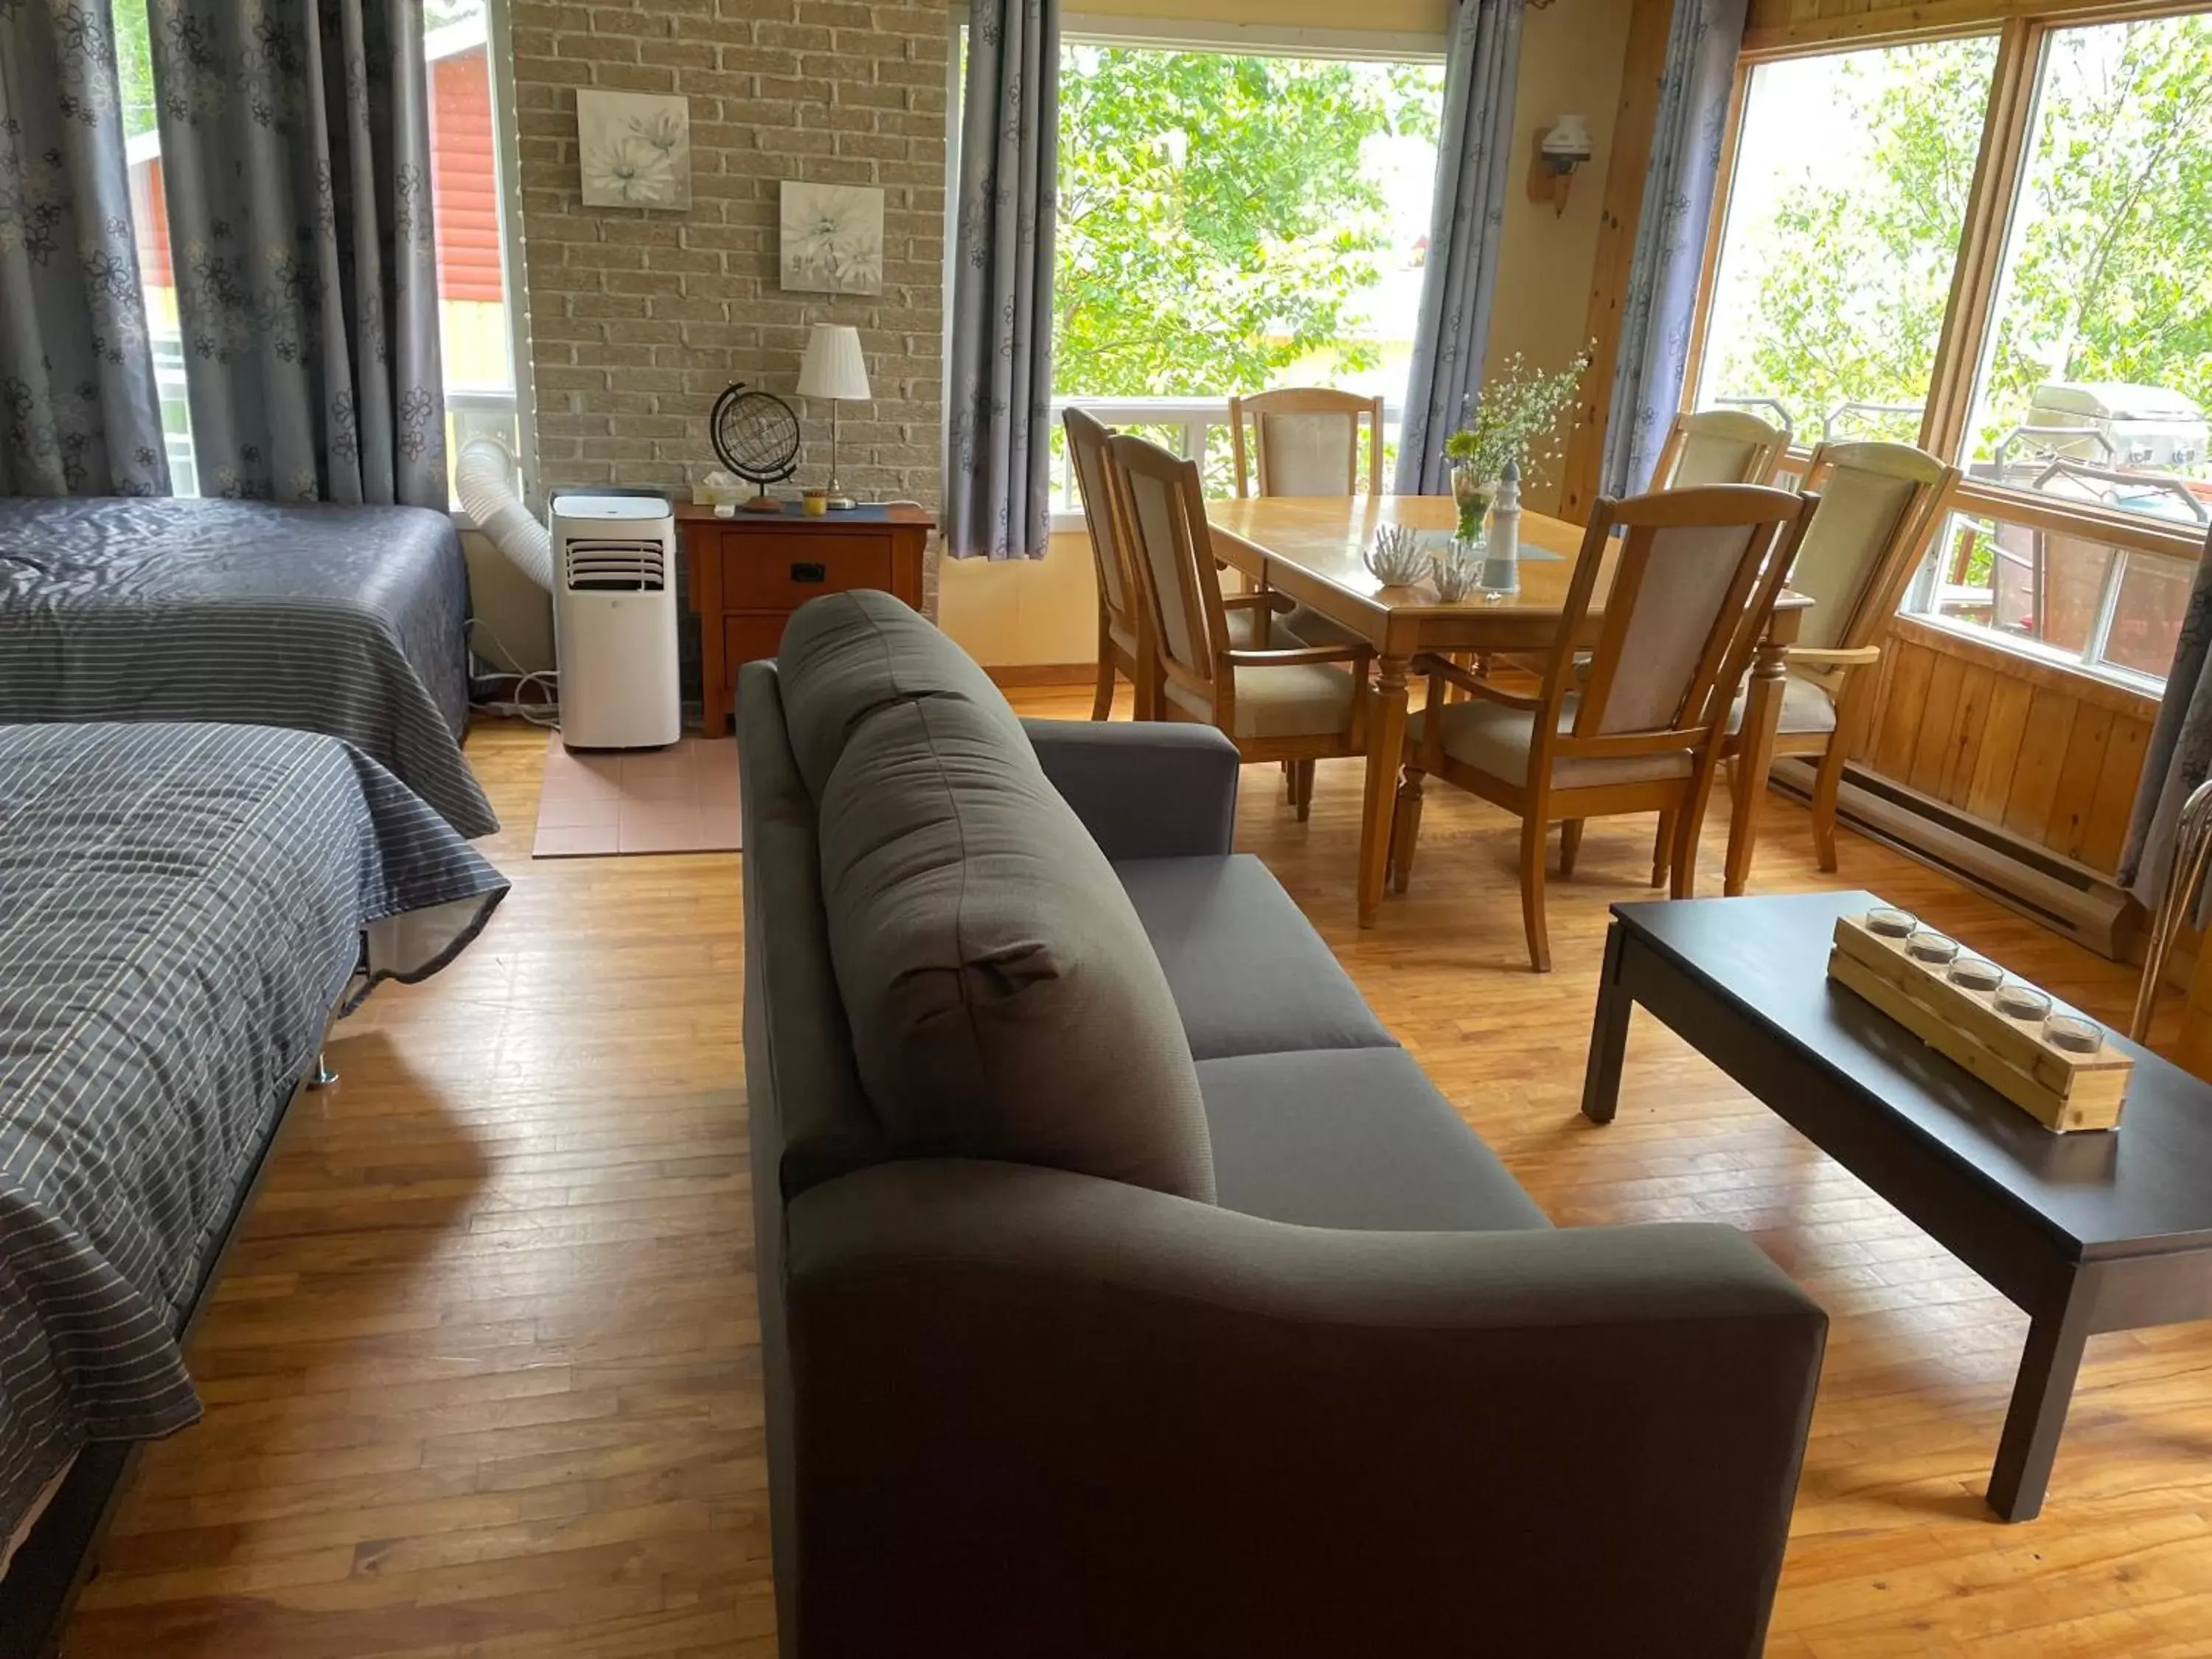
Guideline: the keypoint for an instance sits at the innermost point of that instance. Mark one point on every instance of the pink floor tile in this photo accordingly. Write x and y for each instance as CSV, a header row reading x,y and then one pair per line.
x,y
683,798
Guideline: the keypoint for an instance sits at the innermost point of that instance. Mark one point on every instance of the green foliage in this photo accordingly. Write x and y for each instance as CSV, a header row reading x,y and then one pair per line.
x,y
1214,220
134,66
1516,420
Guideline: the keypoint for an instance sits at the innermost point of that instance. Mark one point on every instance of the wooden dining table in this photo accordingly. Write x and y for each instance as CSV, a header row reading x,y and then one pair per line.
x,y
1309,548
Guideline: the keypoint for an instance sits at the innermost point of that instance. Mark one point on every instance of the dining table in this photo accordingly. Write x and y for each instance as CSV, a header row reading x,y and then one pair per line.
x,y
1312,548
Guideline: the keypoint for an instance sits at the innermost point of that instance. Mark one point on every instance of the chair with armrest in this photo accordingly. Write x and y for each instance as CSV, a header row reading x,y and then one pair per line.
x,y
1718,446
1124,643
1877,505
1693,584
1298,704
1306,441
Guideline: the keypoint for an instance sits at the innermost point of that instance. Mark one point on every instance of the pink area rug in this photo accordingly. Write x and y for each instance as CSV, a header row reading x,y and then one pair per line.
x,y
599,803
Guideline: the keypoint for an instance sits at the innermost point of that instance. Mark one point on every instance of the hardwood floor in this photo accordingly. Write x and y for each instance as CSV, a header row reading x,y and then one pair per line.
x,y
481,1378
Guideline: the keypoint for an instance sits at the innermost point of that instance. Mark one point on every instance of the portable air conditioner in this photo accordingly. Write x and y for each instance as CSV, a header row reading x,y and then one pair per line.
x,y
614,618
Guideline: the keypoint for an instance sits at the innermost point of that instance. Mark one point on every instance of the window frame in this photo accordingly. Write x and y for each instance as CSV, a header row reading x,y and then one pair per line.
x,y
1999,179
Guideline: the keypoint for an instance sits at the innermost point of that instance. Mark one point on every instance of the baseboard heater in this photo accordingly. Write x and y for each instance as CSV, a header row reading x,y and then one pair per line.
x,y
2070,897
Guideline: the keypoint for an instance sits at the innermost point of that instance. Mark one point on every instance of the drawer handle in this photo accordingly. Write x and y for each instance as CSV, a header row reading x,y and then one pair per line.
x,y
810,572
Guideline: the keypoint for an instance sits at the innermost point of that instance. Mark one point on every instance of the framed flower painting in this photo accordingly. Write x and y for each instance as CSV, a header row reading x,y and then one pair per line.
x,y
833,238
635,149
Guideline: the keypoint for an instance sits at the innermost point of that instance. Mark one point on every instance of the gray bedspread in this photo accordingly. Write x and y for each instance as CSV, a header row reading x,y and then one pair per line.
x,y
180,908
345,620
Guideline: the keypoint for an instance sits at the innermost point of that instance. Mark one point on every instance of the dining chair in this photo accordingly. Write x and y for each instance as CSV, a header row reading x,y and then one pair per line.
x,y
1125,643
1877,503
1299,703
1693,583
1719,446
1306,441
2176,903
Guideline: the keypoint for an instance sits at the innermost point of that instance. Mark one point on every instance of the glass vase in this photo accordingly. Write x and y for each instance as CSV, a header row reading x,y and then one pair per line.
x,y
1472,494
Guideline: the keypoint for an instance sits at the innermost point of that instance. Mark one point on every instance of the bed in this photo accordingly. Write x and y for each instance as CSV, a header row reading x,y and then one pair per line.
x,y
183,908
349,620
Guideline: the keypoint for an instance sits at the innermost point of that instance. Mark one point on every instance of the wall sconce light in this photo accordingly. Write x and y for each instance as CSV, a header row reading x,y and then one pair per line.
x,y
1559,149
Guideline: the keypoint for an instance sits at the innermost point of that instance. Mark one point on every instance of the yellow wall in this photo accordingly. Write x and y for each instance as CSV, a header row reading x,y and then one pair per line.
x,y
1023,612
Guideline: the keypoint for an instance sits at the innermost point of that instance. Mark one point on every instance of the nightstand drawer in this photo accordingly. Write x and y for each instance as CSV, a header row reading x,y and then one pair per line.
x,y
748,638
759,573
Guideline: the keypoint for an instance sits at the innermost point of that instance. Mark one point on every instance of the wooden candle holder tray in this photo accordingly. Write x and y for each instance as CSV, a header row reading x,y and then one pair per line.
x,y
2061,1091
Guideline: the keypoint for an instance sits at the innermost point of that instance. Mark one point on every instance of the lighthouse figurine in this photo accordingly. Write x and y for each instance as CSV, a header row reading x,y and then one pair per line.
x,y
1502,555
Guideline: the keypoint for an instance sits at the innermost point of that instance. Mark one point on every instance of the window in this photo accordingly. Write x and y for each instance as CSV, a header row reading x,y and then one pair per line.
x,y
1999,247
477,338
1844,211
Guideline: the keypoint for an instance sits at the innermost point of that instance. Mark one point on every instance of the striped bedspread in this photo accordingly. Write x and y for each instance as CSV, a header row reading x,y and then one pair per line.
x,y
180,908
344,620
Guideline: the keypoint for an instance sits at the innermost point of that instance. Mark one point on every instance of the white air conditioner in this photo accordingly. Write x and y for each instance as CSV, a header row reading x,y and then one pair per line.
x,y
614,618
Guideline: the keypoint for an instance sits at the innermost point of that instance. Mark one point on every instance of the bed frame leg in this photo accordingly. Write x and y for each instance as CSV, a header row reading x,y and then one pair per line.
x,y
324,1076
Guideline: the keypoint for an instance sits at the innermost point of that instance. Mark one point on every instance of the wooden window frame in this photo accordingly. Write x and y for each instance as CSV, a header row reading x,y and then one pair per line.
x,y
2022,31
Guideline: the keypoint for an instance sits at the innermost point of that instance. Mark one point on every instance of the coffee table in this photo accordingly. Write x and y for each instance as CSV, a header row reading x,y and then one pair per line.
x,y
2084,1232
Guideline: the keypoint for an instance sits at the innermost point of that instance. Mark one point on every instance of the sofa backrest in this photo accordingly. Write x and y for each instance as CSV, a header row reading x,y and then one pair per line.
x,y
1001,998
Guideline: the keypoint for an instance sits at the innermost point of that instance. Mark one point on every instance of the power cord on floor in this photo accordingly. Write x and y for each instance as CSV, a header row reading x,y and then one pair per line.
x,y
547,714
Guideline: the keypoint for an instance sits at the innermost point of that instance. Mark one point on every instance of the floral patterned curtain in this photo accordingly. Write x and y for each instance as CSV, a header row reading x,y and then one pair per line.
x,y
1670,237
79,413
295,147
1452,335
2179,757
998,483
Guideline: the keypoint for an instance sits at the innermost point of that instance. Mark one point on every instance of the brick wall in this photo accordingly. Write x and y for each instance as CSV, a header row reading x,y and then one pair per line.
x,y
639,318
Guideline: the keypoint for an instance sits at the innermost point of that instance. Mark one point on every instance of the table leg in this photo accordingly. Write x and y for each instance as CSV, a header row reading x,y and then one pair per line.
x,y
1386,743
2040,1395
1762,717
1608,1034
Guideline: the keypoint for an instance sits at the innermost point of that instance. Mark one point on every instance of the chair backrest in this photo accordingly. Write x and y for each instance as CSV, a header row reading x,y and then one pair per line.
x,y
1719,446
1104,516
1694,580
1878,504
1306,440
1171,548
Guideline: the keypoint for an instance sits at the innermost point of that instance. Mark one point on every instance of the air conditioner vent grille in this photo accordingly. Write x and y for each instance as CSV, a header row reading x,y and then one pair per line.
x,y
614,566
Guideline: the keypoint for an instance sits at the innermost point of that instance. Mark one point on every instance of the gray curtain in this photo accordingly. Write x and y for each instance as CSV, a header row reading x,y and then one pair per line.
x,y
998,473
2180,754
295,143
1702,45
1453,333
79,413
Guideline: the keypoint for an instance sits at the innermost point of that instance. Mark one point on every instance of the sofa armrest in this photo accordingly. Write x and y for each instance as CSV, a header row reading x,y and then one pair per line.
x,y
1143,789
1039,1413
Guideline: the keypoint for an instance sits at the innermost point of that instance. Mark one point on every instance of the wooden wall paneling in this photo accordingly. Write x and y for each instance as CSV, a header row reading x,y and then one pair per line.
x,y
1938,726
1643,64
1776,28
2042,757
1900,725
1975,690
2003,730
2068,822
2106,821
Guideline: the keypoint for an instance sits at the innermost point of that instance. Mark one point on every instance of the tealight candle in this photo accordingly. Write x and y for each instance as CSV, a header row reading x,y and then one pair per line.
x,y
2076,1037
1887,923
1928,945
1976,974
2021,1002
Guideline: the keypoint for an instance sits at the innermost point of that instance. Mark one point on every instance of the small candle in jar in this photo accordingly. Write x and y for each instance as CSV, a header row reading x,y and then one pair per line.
x,y
2075,1035
1929,946
1887,923
1977,973
2021,1002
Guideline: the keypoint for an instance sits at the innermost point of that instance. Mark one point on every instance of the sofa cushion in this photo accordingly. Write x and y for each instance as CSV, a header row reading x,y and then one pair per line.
x,y
845,655
1249,973
1003,998
1353,1137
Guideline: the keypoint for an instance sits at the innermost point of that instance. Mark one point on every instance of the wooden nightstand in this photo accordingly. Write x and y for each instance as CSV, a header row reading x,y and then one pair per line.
x,y
751,572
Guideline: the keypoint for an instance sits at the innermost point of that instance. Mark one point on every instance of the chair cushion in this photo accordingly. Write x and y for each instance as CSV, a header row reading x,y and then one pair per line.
x,y
1003,998
1805,708
1249,974
1297,701
1353,1138
846,655
1493,738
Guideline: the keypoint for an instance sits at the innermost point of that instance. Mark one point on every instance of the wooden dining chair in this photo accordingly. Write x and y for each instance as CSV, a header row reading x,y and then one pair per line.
x,y
1125,642
1719,446
1306,441
1693,584
1877,504
1299,703
2176,903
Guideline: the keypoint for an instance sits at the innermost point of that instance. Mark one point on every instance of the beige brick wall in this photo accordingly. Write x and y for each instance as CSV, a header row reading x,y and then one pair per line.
x,y
639,318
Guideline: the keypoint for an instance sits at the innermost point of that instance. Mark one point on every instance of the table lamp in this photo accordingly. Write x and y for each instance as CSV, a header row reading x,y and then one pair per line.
x,y
835,369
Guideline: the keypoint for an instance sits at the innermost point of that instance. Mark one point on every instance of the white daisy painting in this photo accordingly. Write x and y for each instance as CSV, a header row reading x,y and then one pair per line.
x,y
635,148
833,238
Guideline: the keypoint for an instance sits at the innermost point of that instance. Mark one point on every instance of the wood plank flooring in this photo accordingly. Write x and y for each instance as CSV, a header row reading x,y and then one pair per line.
x,y
481,1379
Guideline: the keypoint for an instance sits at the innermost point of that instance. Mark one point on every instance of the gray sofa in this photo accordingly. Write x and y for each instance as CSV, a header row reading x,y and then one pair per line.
x,y
1127,1291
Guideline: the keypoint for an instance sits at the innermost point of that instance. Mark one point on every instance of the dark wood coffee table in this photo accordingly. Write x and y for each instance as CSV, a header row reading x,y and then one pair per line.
x,y
2085,1232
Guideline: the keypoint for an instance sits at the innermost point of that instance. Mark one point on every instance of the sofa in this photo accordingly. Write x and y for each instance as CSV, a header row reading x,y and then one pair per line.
x,y
1125,1289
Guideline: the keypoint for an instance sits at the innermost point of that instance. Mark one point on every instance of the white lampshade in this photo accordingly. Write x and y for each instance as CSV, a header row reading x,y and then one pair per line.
x,y
834,367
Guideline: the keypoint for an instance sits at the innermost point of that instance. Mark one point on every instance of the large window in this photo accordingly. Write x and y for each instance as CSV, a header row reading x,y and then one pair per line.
x,y
477,338
1999,247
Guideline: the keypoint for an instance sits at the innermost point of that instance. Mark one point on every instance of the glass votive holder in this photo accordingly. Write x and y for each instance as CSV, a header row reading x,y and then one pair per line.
x,y
2022,1002
1976,974
1886,922
2076,1035
1934,949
